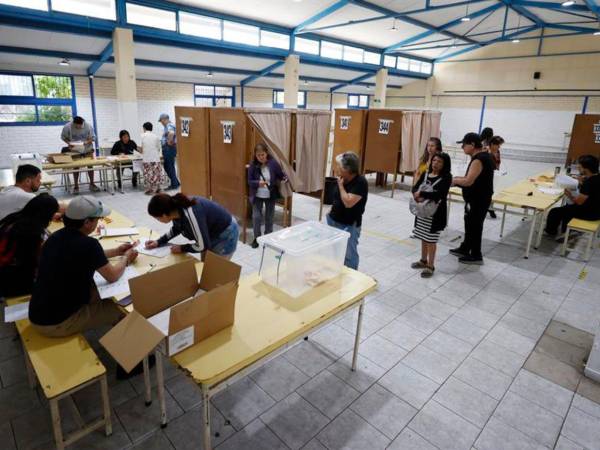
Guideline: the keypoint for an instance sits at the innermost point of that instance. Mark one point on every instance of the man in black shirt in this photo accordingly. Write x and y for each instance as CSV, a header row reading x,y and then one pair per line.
x,y
478,187
65,298
349,203
584,206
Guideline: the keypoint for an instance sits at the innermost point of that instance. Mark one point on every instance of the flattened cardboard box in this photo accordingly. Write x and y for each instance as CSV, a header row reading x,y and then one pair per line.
x,y
196,310
59,158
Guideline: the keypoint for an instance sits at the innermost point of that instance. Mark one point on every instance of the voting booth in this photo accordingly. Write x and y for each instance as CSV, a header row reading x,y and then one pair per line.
x,y
585,137
350,131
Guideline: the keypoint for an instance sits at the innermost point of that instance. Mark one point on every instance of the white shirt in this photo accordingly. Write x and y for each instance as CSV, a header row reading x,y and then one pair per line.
x,y
13,199
150,147
263,192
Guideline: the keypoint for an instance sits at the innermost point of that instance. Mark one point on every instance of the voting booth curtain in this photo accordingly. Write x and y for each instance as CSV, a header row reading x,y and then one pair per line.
x,y
430,127
312,134
411,140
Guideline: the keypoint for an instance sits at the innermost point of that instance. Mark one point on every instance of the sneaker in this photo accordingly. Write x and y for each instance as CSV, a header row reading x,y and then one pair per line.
x,y
123,375
254,244
419,265
458,252
427,272
472,260
94,188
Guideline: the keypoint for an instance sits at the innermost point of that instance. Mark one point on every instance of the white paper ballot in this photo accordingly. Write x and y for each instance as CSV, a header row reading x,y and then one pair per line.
x,y
181,340
159,252
119,287
112,232
16,312
549,190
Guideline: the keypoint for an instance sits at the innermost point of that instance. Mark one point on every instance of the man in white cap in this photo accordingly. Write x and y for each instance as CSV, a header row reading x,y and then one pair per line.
x,y
65,298
169,149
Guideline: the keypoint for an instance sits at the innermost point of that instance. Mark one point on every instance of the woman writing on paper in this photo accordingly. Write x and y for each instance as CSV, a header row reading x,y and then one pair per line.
x,y
205,222
125,146
21,237
264,176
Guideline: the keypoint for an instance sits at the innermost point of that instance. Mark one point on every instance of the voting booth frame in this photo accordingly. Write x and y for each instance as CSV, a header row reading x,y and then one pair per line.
x,y
387,141
216,145
585,137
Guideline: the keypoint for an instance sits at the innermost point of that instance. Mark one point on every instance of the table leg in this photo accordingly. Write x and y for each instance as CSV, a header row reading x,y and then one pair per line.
x,y
147,385
357,337
448,207
540,232
531,230
106,405
56,424
206,433
394,179
160,378
503,221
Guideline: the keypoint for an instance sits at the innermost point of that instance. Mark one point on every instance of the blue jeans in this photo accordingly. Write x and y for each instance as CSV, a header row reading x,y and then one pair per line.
x,y
351,259
226,243
169,154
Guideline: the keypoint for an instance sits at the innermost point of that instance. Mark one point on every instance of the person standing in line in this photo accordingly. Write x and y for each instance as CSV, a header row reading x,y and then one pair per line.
x,y
486,136
264,176
198,219
494,148
349,203
477,188
78,130
434,145
169,149
125,146
428,230
150,150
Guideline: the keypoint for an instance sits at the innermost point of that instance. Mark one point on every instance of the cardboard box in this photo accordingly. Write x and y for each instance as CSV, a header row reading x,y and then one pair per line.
x,y
171,306
59,158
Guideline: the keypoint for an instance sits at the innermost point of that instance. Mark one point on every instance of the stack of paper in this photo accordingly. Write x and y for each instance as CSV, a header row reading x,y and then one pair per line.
x,y
16,312
119,287
112,232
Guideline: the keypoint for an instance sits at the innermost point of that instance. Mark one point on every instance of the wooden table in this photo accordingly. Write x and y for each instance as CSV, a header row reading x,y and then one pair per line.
x,y
268,322
101,165
525,200
121,162
7,178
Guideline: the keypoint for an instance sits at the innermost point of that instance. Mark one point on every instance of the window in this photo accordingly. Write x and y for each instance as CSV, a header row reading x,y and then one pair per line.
x,y
353,54
240,33
306,46
357,101
402,64
279,99
426,67
372,58
331,50
103,9
207,95
414,66
389,61
151,17
277,40
36,99
42,5
202,26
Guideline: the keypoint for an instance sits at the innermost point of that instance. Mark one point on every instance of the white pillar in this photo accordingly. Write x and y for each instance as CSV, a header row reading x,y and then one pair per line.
x,y
380,88
290,81
428,91
125,81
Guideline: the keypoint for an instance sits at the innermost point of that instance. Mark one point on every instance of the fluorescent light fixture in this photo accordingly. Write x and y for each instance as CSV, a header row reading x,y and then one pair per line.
x,y
516,41
209,75
393,27
597,33
64,62
465,19
568,3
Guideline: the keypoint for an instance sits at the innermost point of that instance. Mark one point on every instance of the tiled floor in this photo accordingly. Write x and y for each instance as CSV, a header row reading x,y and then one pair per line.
x,y
476,357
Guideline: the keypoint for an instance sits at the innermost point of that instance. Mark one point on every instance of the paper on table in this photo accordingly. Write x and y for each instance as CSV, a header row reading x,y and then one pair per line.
x,y
119,287
549,190
159,252
112,232
16,312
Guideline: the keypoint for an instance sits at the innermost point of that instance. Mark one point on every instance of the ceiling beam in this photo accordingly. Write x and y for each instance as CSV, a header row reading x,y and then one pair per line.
x,y
262,73
320,15
350,82
103,57
441,28
524,12
593,6
549,5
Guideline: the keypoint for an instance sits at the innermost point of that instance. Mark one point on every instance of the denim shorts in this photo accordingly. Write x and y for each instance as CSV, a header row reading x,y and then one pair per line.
x,y
226,243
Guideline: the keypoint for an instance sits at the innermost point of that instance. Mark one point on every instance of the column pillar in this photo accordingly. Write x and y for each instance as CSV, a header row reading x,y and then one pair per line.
x,y
125,80
428,91
290,81
380,88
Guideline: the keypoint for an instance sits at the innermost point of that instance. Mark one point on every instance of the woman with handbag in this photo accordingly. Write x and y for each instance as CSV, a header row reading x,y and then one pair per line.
x,y
429,204
264,177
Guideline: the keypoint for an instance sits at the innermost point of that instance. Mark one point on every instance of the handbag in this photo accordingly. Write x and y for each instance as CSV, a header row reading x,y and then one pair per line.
x,y
285,188
427,208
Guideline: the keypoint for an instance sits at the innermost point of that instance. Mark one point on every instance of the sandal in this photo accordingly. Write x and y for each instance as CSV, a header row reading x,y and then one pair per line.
x,y
420,264
427,272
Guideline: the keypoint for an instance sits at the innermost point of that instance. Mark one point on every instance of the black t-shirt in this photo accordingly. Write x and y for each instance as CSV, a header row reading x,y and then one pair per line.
x,y
349,216
65,276
591,188
482,189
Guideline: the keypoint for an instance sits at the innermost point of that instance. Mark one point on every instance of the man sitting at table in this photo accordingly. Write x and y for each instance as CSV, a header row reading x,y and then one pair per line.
x,y
584,206
79,131
65,299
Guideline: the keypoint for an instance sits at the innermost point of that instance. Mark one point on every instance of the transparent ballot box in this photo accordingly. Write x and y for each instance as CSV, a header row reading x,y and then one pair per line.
x,y
298,258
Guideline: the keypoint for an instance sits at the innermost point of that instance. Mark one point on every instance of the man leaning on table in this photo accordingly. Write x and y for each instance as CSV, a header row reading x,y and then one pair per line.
x,y
65,299
78,131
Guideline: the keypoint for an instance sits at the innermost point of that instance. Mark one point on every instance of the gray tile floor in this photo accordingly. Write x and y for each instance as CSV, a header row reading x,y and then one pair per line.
x,y
444,363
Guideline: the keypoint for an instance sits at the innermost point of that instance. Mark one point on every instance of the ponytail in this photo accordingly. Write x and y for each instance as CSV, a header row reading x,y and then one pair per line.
x,y
164,204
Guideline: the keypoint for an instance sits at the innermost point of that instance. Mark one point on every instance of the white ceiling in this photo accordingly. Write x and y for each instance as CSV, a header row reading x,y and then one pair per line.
x,y
46,40
32,63
309,70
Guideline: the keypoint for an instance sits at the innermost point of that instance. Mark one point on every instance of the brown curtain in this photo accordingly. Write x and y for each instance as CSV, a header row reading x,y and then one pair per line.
x,y
411,140
430,126
312,135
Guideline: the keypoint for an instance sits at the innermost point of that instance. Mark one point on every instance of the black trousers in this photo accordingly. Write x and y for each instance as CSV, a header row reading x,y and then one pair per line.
x,y
475,214
562,215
